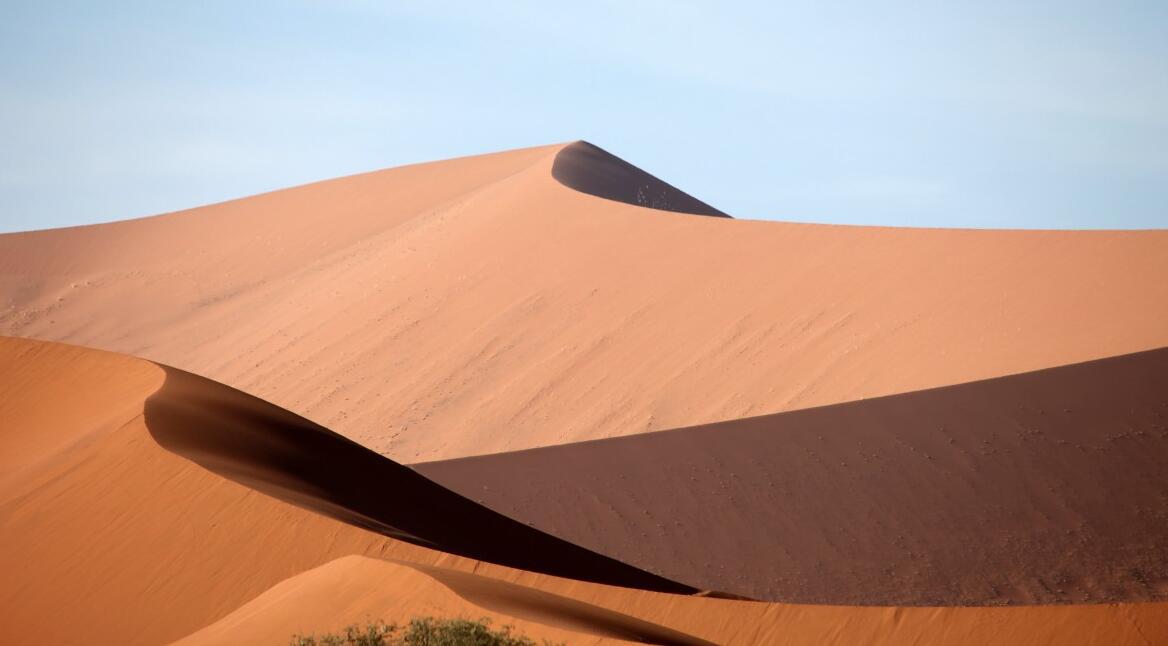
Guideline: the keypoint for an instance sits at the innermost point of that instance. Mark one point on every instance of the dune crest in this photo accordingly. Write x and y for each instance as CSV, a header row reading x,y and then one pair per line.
x,y
271,450
115,521
590,169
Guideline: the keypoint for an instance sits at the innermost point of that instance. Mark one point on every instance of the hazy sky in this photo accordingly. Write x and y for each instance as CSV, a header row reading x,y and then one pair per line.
x,y
984,114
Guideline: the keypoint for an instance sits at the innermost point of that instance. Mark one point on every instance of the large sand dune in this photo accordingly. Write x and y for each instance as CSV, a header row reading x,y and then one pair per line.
x,y
479,305
108,537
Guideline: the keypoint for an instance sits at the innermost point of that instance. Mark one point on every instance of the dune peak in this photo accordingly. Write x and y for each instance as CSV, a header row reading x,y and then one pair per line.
x,y
590,169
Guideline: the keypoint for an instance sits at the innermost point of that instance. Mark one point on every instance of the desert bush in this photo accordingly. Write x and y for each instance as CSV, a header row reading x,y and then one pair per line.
x,y
375,634
421,631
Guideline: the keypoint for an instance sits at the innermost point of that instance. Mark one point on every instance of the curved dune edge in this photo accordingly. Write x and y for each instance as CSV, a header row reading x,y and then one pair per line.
x,y
590,169
271,450
477,305
122,541
1042,487
113,521
358,589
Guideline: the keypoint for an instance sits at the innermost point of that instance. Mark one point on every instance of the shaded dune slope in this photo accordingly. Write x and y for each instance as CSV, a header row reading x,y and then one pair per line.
x,y
478,305
590,169
1043,487
288,457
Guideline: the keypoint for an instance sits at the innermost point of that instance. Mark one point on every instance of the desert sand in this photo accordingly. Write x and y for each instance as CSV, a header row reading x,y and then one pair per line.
x,y
613,396
114,518
479,305
358,589
111,520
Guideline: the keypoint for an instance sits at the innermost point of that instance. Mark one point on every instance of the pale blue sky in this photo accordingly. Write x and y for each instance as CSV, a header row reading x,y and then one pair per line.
x,y
972,114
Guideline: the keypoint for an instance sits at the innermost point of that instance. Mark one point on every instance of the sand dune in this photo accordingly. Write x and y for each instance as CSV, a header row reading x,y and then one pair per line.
x,y
1044,487
356,589
110,521
479,305
359,590
249,441
862,415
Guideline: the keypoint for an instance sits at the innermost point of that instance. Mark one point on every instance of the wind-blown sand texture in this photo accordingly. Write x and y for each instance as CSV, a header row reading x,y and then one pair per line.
x,y
652,397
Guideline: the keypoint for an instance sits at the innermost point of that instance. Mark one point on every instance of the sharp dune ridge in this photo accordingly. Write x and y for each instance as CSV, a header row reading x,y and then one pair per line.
x,y
590,169
479,305
268,449
99,517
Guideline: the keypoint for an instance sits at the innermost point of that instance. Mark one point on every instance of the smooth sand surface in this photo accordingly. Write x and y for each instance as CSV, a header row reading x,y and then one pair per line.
x,y
357,590
479,305
360,590
1044,487
111,538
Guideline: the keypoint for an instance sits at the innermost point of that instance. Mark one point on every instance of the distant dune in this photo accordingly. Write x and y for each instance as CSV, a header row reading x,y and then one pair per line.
x,y
479,305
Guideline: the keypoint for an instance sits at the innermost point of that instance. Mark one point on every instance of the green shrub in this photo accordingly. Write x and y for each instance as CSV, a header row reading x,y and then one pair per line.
x,y
421,631
375,634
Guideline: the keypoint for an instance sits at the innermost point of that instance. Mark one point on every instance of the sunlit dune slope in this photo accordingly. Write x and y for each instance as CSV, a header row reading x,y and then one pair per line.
x,y
1044,487
107,537
479,305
